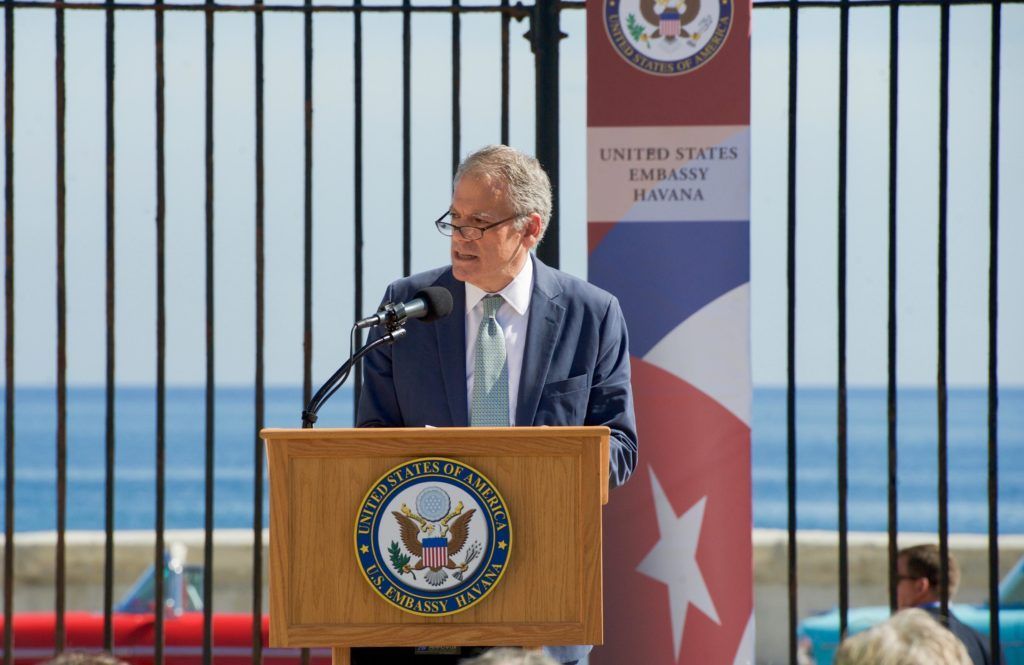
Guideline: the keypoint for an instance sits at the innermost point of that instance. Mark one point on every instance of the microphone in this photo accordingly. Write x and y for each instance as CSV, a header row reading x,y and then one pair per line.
x,y
429,304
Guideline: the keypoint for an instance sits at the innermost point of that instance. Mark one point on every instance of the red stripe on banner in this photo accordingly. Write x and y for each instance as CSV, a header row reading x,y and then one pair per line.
x,y
698,451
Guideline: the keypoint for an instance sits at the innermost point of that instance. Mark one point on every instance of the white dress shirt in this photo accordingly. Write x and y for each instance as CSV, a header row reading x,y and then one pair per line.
x,y
513,317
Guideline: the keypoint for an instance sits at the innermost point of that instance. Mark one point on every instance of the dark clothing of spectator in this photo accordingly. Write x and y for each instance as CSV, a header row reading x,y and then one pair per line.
x,y
977,645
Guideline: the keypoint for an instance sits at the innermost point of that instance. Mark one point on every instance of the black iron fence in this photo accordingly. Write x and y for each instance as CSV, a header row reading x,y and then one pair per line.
x,y
544,35
990,211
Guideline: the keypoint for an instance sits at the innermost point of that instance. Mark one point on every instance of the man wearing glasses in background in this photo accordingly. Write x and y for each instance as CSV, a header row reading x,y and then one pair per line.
x,y
919,574
526,344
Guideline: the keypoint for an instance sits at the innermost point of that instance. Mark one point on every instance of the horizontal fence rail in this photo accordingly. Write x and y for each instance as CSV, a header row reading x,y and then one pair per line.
x,y
545,35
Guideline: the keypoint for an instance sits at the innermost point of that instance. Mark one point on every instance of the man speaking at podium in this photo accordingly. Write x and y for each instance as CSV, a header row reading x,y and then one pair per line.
x,y
525,345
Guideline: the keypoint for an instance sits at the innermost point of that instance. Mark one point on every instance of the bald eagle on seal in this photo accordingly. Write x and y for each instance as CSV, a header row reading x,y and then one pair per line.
x,y
457,536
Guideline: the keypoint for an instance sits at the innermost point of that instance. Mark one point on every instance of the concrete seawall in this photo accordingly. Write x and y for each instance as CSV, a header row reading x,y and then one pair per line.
x,y
817,567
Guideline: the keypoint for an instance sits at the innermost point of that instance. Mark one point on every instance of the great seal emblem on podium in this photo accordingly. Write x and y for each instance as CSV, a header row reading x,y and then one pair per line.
x,y
433,536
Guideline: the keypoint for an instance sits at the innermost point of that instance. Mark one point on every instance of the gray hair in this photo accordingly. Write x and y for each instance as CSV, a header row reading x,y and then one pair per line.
x,y
511,657
909,637
526,185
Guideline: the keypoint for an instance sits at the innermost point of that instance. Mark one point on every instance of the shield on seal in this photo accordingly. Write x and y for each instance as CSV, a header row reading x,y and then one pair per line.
x,y
435,552
669,24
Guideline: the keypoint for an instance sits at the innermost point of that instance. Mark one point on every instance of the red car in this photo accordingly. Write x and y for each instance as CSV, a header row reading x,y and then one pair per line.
x,y
134,626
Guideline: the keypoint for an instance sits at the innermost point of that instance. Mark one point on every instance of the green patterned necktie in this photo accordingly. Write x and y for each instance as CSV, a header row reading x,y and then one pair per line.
x,y
489,405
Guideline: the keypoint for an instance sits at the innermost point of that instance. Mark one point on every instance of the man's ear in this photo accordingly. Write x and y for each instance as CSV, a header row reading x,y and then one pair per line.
x,y
923,587
531,231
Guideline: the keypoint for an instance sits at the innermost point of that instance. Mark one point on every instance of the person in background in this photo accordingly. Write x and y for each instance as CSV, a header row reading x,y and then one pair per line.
x,y
511,657
919,585
909,637
79,658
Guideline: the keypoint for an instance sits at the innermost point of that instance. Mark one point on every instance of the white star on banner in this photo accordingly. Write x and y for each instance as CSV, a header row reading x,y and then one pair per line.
x,y
673,561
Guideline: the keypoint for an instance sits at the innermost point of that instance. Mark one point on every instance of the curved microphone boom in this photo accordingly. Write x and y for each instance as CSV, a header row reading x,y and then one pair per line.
x,y
429,304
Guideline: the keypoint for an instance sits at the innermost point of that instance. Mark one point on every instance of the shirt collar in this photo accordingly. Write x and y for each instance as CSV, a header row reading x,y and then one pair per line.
x,y
516,293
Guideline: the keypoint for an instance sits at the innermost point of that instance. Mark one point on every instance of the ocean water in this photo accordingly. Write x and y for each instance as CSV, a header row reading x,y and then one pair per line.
x,y
35,457
917,460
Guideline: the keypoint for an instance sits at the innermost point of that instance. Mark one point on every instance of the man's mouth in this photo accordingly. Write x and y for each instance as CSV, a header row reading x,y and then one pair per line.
x,y
463,257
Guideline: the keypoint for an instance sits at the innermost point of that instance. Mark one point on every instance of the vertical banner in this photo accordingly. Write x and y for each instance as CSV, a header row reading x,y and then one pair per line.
x,y
668,115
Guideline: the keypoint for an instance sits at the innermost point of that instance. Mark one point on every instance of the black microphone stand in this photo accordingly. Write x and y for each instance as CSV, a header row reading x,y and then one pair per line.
x,y
395,332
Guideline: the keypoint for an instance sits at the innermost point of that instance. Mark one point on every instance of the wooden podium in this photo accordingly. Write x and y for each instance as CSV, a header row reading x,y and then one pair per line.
x,y
554,481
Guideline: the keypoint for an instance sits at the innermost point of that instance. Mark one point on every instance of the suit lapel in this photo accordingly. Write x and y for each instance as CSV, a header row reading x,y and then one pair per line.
x,y
546,317
451,347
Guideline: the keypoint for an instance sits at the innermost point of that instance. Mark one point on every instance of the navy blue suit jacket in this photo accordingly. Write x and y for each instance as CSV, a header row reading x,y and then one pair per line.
x,y
977,645
575,367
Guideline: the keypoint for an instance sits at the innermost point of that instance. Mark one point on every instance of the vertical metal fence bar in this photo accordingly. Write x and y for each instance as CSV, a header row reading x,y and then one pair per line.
x,y
993,347
546,34
210,382
841,406
505,82
307,331
891,332
456,85
406,137
60,579
791,332
307,291
357,186
161,394
161,281
8,331
161,302
257,500
943,449
110,422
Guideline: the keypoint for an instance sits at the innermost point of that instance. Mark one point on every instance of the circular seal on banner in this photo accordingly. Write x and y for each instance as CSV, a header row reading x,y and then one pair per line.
x,y
667,37
433,536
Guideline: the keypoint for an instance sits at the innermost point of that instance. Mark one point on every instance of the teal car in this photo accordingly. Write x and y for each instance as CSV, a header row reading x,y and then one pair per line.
x,y
819,634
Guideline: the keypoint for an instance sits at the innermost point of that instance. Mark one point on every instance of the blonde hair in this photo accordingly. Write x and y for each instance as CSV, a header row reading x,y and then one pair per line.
x,y
511,657
909,637
81,658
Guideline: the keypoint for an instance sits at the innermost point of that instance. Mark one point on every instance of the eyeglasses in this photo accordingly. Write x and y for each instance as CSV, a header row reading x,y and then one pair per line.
x,y
466,231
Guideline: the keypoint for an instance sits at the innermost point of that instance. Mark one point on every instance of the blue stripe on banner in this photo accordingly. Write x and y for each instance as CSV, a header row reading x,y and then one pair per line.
x,y
663,272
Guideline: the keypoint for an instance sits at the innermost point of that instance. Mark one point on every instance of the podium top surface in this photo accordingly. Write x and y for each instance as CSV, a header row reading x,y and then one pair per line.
x,y
271,433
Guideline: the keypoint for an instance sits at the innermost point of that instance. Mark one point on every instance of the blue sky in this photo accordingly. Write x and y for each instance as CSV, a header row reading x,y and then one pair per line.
x,y
333,301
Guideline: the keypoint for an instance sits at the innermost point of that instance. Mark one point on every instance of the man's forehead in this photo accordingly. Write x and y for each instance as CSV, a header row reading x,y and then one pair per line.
x,y
475,189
